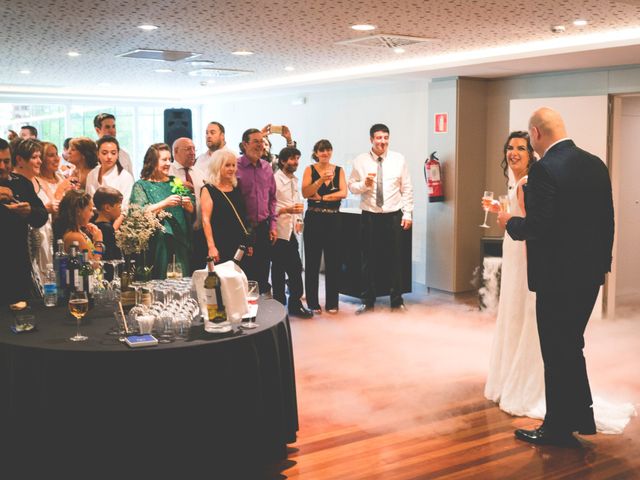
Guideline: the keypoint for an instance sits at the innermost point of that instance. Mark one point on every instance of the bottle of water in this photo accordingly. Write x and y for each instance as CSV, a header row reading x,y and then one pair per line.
x,y
50,287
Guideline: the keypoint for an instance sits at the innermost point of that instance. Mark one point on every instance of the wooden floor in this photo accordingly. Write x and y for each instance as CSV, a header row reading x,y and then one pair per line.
x,y
400,396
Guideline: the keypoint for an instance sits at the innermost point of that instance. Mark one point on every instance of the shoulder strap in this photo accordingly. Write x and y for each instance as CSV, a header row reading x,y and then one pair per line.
x,y
244,229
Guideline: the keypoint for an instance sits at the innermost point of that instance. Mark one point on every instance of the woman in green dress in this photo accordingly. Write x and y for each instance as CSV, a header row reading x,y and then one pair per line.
x,y
154,192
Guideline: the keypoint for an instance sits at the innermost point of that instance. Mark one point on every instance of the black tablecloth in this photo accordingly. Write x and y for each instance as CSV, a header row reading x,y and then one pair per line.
x,y
229,396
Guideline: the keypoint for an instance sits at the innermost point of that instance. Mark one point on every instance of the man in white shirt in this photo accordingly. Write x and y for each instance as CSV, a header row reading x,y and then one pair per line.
x,y
184,155
105,124
381,178
215,141
285,256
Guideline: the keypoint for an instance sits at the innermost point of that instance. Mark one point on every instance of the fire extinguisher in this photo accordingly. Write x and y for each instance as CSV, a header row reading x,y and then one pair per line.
x,y
433,178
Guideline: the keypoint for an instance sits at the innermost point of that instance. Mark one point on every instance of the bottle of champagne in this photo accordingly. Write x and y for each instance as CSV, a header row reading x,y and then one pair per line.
x,y
88,278
60,261
216,313
74,280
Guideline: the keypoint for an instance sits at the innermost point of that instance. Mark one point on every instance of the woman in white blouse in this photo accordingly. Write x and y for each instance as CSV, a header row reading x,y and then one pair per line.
x,y
110,172
50,186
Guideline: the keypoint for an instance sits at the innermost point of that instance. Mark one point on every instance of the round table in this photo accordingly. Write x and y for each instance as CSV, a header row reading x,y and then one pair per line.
x,y
226,396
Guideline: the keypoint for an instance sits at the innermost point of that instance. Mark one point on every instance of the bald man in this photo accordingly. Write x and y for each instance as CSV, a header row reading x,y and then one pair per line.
x,y
182,167
569,233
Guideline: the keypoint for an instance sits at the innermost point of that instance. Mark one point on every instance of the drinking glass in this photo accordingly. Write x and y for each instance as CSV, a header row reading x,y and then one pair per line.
x,y
504,203
488,198
253,294
174,270
78,306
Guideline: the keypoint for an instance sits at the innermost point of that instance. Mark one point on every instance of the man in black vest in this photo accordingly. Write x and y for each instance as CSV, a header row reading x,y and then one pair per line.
x,y
569,233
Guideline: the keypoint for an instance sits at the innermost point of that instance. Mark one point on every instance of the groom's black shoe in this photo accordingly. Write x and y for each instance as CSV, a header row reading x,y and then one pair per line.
x,y
542,436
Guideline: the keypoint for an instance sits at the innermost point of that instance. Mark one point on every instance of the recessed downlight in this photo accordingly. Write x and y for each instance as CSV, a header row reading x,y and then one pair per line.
x,y
580,22
289,68
163,70
399,50
242,53
25,71
147,27
73,53
363,27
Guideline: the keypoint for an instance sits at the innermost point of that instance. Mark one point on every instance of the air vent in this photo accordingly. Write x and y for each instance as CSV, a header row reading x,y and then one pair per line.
x,y
384,40
159,55
218,72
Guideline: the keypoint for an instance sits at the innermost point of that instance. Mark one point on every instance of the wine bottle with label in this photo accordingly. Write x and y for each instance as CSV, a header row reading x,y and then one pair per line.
x,y
74,280
60,261
237,258
216,313
88,277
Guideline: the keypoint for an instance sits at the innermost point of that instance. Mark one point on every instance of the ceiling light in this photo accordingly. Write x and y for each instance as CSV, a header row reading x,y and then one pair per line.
x,y
363,27
580,23
201,63
289,68
25,71
163,70
558,28
399,50
73,54
147,27
242,53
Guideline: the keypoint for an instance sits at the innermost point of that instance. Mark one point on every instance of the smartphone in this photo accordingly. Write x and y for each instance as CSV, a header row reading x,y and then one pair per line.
x,y
276,129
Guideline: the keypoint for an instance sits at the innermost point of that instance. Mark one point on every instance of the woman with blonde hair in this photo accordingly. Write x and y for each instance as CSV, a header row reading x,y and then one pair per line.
x,y
223,210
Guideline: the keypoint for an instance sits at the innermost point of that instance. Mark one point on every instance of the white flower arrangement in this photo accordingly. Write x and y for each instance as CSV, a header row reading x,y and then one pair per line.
x,y
137,228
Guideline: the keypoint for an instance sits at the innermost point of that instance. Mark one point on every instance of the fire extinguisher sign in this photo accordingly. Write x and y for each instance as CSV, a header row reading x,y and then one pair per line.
x,y
440,123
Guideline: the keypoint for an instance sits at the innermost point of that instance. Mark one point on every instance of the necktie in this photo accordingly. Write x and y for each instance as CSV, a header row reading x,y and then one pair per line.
x,y
379,193
187,176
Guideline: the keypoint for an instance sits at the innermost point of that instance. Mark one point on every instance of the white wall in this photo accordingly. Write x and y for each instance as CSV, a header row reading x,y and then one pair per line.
x,y
342,114
628,206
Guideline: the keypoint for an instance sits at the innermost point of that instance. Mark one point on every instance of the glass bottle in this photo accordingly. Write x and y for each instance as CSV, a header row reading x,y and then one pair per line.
x,y
60,264
216,313
74,280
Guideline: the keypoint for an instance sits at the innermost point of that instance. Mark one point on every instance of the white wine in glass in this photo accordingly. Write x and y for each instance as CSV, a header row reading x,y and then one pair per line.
x,y
487,198
78,306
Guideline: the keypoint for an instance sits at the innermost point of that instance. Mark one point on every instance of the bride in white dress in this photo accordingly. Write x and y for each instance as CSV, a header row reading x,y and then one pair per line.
x,y
516,374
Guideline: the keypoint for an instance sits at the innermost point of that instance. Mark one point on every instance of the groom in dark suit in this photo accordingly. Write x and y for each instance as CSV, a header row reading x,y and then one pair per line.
x,y
569,233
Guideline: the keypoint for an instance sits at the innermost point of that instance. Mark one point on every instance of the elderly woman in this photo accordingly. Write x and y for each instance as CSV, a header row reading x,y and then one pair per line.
x,y
110,172
83,155
324,186
223,211
154,192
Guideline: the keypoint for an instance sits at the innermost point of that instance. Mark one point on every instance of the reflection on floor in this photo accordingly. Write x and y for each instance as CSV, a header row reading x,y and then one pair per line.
x,y
399,396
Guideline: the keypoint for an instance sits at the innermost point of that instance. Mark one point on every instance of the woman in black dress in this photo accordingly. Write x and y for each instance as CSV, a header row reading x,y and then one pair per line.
x,y
324,186
223,209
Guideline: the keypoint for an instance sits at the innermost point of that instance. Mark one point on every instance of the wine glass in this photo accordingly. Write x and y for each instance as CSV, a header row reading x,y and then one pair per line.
x,y
252,298
504,203
487,198
78,306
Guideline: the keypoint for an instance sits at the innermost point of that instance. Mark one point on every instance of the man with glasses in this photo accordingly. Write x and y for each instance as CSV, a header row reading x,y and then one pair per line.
x,y
258,187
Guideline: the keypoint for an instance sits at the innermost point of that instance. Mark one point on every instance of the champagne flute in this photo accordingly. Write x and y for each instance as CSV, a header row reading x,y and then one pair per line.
x,y
487,198
78,306
504,203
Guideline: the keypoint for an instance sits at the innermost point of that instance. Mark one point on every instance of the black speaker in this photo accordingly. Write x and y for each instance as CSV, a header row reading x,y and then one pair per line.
x,y
177,124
